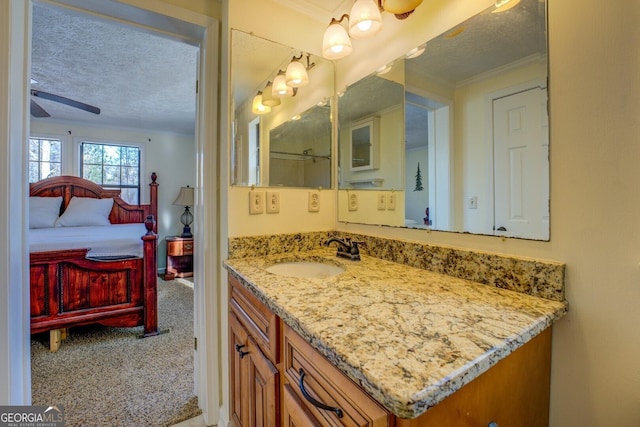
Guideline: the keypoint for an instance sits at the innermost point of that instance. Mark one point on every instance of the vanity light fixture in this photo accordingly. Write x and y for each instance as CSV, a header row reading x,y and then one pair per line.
x,y
336,43
280,87
296,74
400,8
267,96
364,19
257,107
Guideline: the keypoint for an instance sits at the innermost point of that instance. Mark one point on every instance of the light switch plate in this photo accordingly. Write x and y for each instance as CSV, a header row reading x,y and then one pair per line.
x,y
382,201
256,202
314,201
391,202
353,202
472,202
273,202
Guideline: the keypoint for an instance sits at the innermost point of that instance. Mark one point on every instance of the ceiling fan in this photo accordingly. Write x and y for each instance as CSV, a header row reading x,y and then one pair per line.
x,y
39,112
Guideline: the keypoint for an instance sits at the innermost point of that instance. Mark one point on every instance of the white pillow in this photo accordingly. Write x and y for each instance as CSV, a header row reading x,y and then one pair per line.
x,y
43,211
86,211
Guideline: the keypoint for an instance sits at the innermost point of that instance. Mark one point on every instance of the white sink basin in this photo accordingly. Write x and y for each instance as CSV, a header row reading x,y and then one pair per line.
x,y
305,269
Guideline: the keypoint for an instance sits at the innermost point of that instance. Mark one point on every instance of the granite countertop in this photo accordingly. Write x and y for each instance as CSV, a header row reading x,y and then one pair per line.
x,y
409,337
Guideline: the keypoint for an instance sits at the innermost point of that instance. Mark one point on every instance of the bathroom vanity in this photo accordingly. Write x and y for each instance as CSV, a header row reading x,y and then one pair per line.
x,y
383,344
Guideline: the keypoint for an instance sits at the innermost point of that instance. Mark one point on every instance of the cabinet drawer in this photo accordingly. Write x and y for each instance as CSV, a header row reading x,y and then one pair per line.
x,y
260,321
305,368
177,248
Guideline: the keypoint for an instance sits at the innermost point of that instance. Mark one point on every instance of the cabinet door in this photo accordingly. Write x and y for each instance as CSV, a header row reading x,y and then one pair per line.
x,y
263,388
326,393
294,413
238,369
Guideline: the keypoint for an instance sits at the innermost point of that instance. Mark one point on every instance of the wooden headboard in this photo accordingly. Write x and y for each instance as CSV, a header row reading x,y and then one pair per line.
x,y
68,186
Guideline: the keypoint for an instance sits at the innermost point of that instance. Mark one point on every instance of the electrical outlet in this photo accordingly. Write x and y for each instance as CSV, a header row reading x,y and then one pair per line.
x,y
382,201
256,202
273,202
391,202
314,201
472,202
353,202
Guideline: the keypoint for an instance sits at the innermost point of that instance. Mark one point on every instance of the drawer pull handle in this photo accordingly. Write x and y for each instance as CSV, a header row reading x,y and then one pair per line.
x,y
492,424
239,350
314,402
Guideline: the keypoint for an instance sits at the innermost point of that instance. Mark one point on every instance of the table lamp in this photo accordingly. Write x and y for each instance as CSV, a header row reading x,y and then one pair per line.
x,y
185,198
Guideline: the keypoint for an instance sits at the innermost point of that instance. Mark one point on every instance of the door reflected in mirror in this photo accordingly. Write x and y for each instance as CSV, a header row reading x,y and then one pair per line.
x,y
288,142
475,142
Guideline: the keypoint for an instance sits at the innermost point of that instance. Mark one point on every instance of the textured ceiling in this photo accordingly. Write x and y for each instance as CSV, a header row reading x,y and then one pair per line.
x,y
138,79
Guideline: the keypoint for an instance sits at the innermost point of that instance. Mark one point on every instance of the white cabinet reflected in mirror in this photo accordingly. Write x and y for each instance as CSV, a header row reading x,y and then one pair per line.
x,y
363,144
473,153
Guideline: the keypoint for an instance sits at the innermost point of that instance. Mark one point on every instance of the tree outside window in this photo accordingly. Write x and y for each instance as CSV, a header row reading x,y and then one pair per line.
x,y
113,166
45,158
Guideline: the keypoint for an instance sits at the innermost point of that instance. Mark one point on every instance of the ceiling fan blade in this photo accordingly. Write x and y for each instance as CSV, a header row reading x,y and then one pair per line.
x,y
66,101
38,111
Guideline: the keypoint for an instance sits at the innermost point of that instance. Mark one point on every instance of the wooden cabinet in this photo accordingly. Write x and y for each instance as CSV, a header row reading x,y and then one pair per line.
x,y
324,394
179,257
278,379
515,392
254,378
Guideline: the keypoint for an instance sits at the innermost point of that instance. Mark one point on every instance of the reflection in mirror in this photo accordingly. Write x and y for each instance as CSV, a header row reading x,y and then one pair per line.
x,y
300,150
290,144
475,141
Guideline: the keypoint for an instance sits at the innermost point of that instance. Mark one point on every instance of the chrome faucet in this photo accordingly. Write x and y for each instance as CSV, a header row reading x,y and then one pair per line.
x,y
346,248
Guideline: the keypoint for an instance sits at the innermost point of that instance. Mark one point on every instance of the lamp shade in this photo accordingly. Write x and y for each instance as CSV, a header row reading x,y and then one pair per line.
x,y
280,87
400,7
336,43
268,98
257,107
296,75
365,19
185,197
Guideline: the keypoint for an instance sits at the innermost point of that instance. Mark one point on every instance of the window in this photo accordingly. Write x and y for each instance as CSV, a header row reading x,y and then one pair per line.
x,y
45,158
112,166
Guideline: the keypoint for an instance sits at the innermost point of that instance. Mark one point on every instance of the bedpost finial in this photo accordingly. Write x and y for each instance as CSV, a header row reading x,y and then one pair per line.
x,y
154,176
149,224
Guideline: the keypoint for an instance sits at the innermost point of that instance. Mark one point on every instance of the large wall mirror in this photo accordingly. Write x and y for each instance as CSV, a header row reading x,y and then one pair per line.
x,y
463,137
285,139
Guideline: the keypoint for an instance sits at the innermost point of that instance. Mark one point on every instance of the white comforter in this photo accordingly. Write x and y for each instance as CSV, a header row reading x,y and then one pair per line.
x,y
116,240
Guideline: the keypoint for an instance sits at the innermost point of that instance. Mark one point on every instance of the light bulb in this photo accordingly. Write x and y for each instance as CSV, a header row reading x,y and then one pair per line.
x,y
364,19
336,43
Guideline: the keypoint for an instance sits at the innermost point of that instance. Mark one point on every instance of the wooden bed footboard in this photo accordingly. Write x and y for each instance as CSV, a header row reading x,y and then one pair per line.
x,y
67,289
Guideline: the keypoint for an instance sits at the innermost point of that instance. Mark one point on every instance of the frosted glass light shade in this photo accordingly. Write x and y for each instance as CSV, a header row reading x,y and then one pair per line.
x,y
257,107
399,7
365,19
336,43
268,99
296,75
280,87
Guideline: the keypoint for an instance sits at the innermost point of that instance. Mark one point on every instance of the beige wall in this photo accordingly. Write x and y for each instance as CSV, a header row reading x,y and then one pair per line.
x,y
595,180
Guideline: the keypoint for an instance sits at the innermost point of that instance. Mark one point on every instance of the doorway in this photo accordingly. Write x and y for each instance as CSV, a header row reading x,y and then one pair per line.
x,y
207,354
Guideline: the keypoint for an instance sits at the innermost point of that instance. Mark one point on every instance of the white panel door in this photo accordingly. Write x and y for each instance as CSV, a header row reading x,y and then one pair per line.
x,y
521,165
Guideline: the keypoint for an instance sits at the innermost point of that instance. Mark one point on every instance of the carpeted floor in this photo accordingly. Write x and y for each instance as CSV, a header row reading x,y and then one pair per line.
x,y
109,377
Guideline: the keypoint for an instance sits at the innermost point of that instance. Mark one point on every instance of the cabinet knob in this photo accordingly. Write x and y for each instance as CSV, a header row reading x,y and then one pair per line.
x,y
240,352
492,424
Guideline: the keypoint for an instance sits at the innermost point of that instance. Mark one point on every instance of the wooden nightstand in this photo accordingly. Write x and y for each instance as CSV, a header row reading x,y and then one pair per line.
x,y
179,257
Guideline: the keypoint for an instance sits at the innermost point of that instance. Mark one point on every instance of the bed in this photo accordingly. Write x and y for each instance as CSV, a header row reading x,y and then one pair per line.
x,y
77,278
